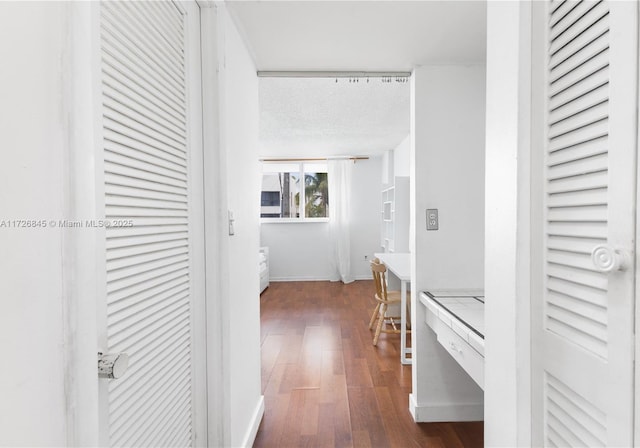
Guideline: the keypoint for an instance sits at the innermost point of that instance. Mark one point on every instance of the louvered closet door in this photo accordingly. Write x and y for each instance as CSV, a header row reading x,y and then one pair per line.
x,y
150,281
583,339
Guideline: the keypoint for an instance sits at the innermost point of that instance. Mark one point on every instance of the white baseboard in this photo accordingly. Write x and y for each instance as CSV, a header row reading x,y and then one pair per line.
x,y
252,431
466,412
298,279
363,277
313,279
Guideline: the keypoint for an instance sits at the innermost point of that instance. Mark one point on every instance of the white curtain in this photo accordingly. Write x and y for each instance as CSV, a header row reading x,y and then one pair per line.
x,y
339,173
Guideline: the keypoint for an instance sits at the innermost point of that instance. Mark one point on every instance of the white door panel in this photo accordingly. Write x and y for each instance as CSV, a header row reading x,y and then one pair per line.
x,y
151,128
582,326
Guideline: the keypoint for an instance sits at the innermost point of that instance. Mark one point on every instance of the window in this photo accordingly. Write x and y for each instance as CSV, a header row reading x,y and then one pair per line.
x,y
294,191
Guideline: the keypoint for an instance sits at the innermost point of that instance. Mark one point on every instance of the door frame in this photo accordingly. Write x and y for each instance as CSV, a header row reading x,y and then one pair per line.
x,y
538,140
636,373
193,56
216,245
508,215
81,264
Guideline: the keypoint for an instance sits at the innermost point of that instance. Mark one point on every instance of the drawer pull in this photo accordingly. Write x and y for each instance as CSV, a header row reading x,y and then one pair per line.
x,y
454,347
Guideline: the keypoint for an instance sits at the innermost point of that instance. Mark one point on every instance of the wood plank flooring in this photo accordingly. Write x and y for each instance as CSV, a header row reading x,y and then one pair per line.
x,y
324,383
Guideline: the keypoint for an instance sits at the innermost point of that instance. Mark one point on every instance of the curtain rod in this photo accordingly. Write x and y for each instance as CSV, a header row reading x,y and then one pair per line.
x,y
314,159
328,74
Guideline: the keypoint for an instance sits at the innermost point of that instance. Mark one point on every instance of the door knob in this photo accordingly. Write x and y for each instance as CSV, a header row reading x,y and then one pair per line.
x,y
608,259
112,366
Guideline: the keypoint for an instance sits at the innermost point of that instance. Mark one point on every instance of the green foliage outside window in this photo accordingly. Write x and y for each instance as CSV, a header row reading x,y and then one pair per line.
x,y
316,190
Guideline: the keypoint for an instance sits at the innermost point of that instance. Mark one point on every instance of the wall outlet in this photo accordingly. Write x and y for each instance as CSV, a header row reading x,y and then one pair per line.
x,y
366,258
432,219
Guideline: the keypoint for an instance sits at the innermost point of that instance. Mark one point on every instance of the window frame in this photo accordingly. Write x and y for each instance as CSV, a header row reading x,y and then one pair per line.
x,y
303,198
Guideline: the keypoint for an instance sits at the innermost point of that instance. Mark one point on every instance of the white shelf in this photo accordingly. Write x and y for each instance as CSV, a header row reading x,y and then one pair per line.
x,y
395,216
387,211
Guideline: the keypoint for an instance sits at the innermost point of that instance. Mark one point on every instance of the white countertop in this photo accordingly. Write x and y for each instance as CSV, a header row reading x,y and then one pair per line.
x,y
397,262
461,310
469,310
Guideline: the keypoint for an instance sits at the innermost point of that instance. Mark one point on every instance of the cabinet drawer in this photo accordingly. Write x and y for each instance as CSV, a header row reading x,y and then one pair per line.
x,y
470,360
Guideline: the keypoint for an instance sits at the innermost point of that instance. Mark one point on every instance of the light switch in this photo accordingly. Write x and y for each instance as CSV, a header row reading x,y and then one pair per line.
x,y
432,219
231,221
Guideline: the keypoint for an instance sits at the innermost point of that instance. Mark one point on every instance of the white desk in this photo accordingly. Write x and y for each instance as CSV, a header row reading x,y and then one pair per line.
x,y
457,318
400,265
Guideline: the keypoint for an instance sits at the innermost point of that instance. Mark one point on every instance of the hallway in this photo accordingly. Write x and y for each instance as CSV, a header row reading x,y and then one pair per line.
x,y
325,384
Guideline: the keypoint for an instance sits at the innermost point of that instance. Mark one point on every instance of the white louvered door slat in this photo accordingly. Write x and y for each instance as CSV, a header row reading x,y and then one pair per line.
x,y
148,181
583,337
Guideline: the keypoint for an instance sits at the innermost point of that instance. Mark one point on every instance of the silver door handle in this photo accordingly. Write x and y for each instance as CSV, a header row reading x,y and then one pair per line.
x,y
112,365
608,259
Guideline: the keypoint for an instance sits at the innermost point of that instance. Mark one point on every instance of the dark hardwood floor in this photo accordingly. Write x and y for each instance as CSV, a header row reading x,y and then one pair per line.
x,y
326,385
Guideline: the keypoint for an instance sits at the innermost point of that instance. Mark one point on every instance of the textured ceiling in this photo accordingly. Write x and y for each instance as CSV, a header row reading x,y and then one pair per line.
x,y
319,117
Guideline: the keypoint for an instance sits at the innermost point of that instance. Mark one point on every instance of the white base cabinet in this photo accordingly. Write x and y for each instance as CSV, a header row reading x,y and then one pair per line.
x,y
457,338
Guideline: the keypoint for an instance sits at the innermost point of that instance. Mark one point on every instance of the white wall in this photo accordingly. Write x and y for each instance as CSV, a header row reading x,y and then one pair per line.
x,y
297,251
402,168
365,217
300,251
387,168
401,157
449,172
239,143
447,155
33,142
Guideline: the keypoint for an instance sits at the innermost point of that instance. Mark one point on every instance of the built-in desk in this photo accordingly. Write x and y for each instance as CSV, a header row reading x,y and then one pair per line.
x,y
457,318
